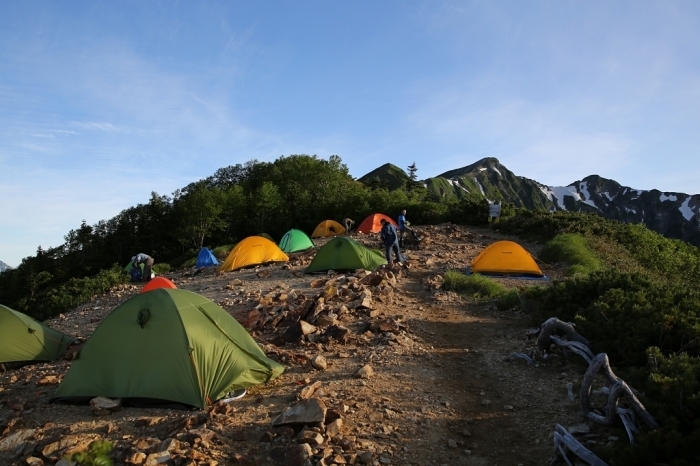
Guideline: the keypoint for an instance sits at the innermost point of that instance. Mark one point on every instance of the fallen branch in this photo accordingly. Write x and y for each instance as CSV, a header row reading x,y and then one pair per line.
x,y
525,357
553,324
562,438
619,389
575,347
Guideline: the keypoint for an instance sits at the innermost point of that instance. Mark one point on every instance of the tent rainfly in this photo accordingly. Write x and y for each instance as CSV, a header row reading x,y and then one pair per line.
x,y
328,228
25,340
254,250
372,224
506,258
158,282
295,240
343,253
166,347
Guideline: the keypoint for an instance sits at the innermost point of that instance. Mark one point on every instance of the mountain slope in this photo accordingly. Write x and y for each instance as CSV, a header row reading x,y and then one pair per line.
x,y
674,215
490,179
4,266
394,177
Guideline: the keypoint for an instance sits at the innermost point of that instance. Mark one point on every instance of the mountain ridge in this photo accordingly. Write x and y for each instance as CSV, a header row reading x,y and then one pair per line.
x,y
4,266
672,214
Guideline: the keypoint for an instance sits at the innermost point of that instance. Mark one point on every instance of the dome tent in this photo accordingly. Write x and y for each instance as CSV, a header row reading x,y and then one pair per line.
x,y
372,224
343,253
328,228
167,346
506,258
206,258
25,340
254,250
158,282
295,240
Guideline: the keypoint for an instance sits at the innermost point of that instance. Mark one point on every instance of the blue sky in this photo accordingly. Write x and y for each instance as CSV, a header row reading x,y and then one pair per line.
x,y
103,102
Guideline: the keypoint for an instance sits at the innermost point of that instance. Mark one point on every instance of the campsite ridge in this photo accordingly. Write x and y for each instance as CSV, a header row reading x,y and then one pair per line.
x,y
465,402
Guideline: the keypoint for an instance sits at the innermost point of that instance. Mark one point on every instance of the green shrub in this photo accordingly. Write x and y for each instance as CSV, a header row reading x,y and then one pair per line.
x,y
222,252
161,268
508,300
97,454
574,249
53,300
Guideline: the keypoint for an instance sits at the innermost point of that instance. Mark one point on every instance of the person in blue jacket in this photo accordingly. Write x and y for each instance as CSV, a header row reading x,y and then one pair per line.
x,y
391,241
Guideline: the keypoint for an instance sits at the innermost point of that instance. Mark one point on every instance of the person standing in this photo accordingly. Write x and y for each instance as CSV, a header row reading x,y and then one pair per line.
x,y
402,225
391,241
147,262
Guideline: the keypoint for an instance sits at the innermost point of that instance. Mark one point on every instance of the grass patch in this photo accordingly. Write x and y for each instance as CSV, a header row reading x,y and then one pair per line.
x,y
222,252
474,285
574,249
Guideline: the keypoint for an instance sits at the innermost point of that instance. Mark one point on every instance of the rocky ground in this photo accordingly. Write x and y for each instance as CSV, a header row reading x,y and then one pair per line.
x,y
380,368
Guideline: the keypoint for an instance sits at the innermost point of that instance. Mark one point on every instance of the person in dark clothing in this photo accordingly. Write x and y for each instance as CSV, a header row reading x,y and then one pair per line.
x,y
348,224
147,262
391,241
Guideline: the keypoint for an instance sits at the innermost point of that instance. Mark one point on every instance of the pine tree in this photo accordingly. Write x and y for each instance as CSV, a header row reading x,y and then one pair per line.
x,y
412,169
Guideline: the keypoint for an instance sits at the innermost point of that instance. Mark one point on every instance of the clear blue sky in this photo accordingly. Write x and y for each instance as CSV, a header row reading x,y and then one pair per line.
x,y
103,102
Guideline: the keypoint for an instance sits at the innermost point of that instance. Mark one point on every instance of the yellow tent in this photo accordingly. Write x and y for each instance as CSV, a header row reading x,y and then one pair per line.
x,y
328,228
506,258
253,250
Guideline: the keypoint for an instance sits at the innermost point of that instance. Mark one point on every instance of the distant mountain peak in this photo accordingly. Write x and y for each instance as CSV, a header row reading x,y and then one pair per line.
x,y
4,266
393,176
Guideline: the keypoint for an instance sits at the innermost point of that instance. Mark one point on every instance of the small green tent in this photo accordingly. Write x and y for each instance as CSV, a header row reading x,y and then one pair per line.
x,y
295,240
167,345
23,339
343,253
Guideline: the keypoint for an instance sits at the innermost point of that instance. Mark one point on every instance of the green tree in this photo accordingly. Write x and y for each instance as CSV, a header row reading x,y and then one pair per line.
x,y
200,212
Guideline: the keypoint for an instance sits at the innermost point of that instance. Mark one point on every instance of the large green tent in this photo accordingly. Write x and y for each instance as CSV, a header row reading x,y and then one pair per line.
x,y
167,345
343,253
295,240
23,339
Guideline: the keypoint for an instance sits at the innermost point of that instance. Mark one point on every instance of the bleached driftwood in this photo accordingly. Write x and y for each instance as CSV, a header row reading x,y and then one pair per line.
x,y
544,340
618,389
575,347
562,438
524,356
570,391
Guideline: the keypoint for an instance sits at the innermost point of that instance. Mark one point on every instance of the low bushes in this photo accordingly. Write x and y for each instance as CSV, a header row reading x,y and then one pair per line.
x,y
481,287
574,249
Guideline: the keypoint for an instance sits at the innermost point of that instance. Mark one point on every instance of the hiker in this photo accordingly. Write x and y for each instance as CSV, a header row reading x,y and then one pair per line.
x,y
404,227
391,241
147,262
348,224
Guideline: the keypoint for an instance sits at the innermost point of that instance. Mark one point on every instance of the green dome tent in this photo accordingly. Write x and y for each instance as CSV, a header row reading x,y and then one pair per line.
x,y
343,253
295,240
167,346
23,339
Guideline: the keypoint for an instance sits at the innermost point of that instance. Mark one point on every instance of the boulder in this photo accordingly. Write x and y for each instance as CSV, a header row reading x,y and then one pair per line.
x,y
102,405
305,412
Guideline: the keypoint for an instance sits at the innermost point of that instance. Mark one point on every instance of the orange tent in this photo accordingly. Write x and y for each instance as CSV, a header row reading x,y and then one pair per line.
x,y
254,250
506,258
158,282
328,228
372,224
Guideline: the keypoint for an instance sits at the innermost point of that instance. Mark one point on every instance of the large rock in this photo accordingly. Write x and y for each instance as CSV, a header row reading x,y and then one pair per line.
x,y
103,405
17,438
310,411
292,455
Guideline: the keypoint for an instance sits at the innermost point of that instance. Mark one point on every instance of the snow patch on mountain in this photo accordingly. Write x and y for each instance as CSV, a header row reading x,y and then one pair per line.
x,y
559,192
496,170
671,197
686,210
481,188
583,187
607,194
630,210
4,266
483,169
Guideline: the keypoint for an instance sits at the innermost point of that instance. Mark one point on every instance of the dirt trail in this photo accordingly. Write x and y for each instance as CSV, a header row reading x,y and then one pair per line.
x,y
445,391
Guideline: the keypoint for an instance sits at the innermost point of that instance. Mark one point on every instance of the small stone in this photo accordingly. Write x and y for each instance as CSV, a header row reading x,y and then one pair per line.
x,y
34,461
157,458
319,362
137,458
451,443
579,429
508,407
334,427
309,411
365,457
466,433
365,372
311,437
485,402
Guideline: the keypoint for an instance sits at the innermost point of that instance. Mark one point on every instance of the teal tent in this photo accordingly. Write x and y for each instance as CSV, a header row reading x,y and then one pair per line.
x,y
23,339
167,346
295,240
343,253
206,258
